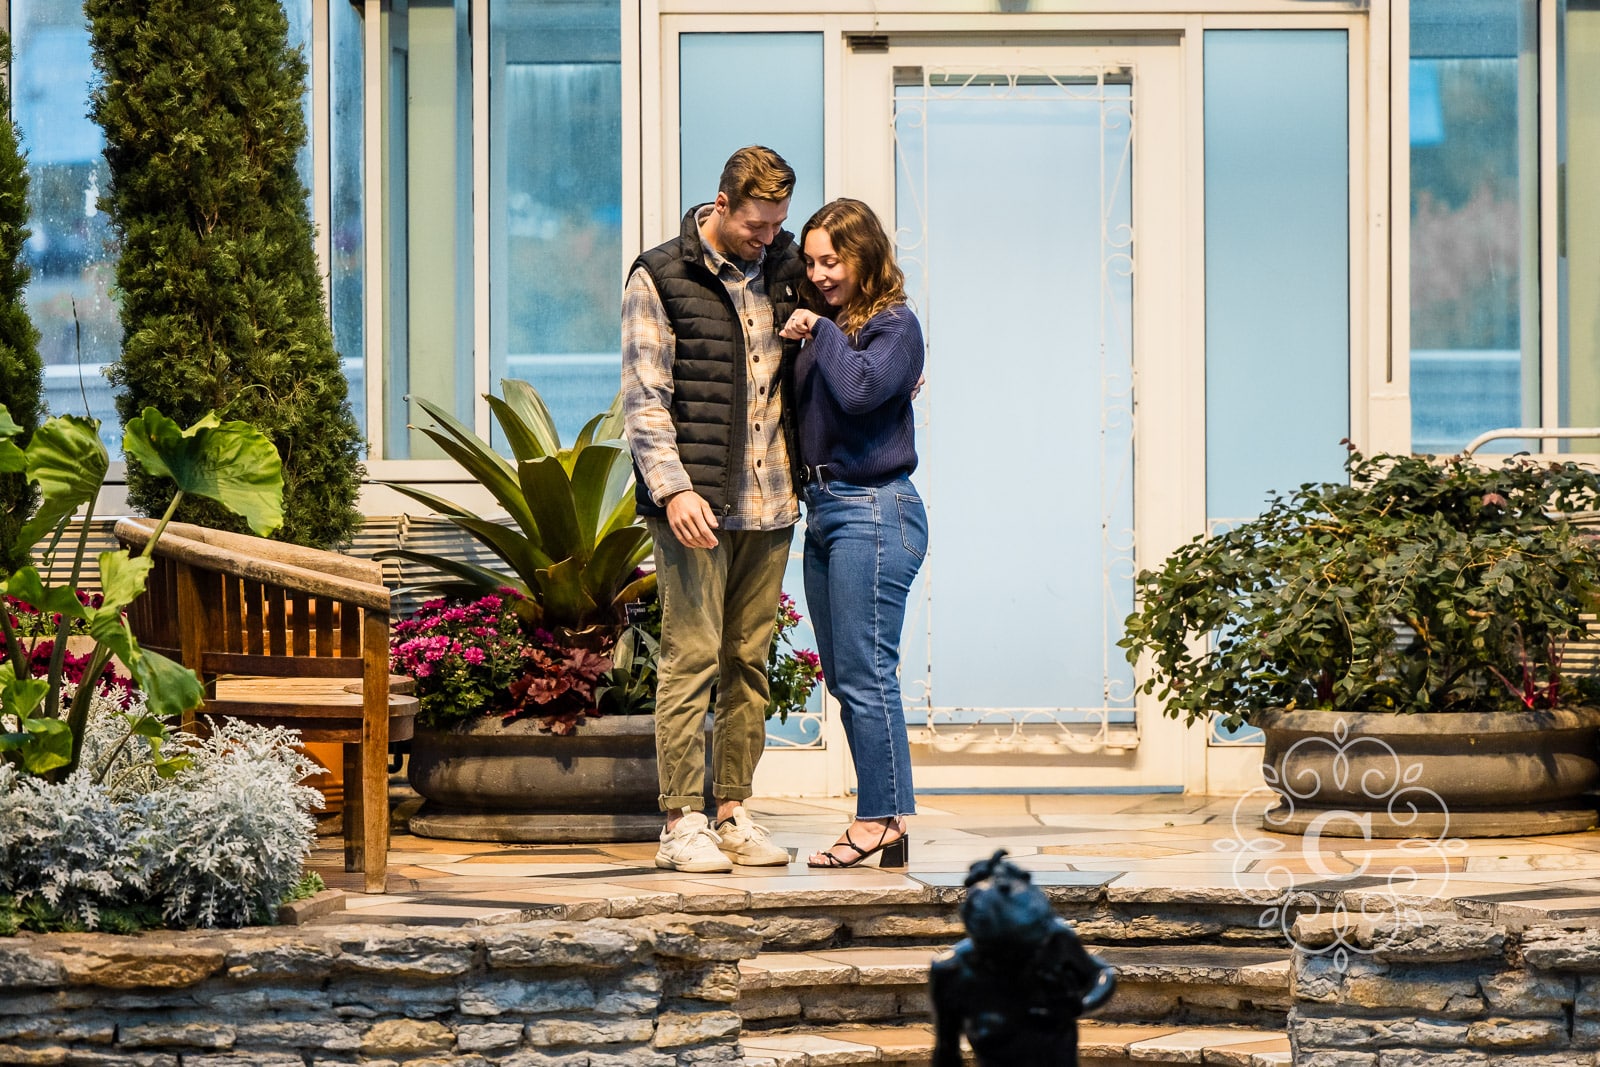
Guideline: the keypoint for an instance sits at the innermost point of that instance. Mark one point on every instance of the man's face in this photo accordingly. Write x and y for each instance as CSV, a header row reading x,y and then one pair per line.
x,y
745,231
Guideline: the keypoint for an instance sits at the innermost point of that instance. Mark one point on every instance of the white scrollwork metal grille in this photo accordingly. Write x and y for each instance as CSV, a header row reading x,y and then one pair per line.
x,y
1082,725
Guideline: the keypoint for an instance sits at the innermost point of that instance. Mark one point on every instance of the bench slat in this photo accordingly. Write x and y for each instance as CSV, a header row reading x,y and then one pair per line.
x,y
300,620
276,621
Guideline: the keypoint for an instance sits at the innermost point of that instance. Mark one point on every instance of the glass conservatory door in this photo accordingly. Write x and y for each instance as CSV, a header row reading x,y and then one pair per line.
x,y
1026,185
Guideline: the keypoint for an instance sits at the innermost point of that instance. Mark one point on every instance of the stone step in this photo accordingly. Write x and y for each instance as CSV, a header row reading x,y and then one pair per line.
x,y
1177,984
1100,1044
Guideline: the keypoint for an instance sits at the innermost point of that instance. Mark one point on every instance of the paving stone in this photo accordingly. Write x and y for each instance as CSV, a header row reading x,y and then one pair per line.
x,y
786,969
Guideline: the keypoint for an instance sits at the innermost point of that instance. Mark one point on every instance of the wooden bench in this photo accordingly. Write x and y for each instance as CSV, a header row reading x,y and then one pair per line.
x,y
276,633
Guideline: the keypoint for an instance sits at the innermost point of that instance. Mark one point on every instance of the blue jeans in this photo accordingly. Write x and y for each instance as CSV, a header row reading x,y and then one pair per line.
x,y
864,545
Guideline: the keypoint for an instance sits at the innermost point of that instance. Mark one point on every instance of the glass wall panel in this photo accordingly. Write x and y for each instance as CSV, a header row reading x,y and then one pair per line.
x,y
430,355
1474,221
347,171
555,198
713,123
1277,219
72,249
1579,240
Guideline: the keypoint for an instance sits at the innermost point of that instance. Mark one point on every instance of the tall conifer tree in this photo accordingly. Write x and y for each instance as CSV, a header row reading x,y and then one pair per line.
x,y
222,306
21,373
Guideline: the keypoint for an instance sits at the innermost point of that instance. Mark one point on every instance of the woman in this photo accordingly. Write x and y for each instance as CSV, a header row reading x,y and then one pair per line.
x,y
866,530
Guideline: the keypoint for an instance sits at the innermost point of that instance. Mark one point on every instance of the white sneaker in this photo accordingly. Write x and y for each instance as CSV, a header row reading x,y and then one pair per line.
x,y
691,847
746,842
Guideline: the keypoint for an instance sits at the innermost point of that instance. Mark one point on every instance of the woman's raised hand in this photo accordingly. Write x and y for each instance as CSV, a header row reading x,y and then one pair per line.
x,y
798,328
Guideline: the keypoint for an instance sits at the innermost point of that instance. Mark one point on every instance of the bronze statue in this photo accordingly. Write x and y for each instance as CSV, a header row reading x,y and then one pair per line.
x,y
1019,981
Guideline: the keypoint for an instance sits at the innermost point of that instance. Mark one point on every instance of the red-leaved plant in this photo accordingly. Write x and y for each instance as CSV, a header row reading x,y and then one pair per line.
x,y
473,658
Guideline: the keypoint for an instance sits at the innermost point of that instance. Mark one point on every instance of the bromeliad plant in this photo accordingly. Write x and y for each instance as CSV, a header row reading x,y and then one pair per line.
x,y
1420,586
231,463
574,546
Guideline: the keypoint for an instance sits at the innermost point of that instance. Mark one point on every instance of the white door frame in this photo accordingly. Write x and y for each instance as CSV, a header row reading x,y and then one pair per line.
x,y
1169,333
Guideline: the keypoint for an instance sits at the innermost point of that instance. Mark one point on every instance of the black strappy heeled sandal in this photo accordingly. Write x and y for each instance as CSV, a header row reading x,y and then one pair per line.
x,y
896,853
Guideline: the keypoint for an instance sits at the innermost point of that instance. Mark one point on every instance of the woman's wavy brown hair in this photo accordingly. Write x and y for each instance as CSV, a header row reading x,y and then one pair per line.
x,y
861,243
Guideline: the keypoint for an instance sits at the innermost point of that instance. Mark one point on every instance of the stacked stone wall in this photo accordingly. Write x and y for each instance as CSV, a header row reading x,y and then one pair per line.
x,y
1444,991
658,991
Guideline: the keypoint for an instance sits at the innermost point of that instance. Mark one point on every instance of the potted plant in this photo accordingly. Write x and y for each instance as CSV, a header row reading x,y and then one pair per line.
x,y
1399,639
536,681
109,817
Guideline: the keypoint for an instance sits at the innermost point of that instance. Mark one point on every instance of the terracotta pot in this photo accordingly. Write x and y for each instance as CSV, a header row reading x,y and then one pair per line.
x,y
489,780
1487,774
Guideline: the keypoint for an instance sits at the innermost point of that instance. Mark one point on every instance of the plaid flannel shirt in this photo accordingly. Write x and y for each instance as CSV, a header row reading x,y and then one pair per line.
x,y
762,494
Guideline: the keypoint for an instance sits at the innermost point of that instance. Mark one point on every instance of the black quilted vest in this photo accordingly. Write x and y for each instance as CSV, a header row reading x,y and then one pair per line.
x,y
709,380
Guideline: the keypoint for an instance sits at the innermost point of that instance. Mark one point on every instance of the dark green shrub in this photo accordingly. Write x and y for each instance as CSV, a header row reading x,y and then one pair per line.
x,y
21,373
1423,585
222,306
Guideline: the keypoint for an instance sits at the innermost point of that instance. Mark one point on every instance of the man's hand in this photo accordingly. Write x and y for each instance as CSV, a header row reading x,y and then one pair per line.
x,y
692,519
798,328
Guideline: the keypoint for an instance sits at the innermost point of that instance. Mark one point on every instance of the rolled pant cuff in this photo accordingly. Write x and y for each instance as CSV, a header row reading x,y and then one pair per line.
x,y
693,803
732,792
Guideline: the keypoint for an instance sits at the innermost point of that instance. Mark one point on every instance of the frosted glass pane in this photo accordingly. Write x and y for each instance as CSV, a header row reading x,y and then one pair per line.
x,y
1026,459
785,115
555,194
72,250
1277,189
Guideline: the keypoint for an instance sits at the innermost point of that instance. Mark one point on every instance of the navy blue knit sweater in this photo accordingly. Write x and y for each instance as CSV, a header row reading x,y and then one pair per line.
x,y
854,397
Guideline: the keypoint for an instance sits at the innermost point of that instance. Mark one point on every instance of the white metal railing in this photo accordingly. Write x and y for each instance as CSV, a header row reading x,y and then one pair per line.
x,y
1528,432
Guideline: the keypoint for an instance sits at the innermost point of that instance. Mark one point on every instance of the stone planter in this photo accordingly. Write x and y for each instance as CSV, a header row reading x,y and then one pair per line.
x,y
1500,774
495,781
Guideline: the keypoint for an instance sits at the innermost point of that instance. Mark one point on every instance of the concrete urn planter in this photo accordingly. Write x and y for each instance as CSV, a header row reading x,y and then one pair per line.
x,y
1500,774
489,780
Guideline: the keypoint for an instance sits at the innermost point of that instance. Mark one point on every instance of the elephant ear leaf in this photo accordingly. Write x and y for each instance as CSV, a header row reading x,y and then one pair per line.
x,y
232,463
68,461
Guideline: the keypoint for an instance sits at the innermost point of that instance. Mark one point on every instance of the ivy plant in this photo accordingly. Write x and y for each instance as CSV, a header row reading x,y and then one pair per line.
x,y
1421,585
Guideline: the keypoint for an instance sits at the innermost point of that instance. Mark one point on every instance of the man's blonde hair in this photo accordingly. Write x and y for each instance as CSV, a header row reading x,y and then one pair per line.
x,y
756,173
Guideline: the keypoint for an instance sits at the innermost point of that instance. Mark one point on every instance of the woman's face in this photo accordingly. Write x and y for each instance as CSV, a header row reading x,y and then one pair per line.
x,y
834,278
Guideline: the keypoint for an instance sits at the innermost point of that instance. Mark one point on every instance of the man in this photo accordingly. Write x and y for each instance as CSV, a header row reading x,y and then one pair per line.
x,y
704,374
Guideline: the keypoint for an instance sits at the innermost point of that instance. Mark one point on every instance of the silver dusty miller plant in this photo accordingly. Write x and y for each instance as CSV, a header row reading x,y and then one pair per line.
x,y
214,830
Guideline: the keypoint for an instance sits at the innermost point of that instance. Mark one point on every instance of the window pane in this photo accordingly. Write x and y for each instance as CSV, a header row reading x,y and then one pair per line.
x,y
1474,221
348,169
555,149
72,249
298,14
1277,219
1580,241
714,123
429,348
